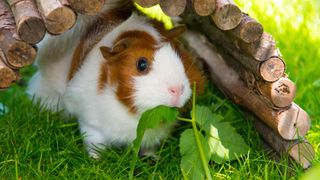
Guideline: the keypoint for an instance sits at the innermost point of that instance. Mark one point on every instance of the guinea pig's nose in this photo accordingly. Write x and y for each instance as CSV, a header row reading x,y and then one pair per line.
x,y
176,90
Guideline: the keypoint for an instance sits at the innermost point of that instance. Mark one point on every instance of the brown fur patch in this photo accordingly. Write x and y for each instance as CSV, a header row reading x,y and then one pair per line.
x,y
121,67
100,26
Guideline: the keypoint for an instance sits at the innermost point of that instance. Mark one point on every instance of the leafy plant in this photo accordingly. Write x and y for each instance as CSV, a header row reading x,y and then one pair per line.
x,y
211,138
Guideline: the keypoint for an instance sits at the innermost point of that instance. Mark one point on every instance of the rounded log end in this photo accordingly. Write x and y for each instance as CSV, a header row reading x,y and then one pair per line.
x,y
252,32
91,7
303,153
272,69
204,7
7,76
227,17
31,30
21,54
147,3
283,92
293,123
60,20
173,8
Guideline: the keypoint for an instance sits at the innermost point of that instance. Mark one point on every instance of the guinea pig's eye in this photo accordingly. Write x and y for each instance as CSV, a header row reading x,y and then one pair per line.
x,y
142,64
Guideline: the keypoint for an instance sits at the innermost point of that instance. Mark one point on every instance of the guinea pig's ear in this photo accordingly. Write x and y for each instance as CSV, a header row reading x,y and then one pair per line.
x,y
176,31
106,52
120,46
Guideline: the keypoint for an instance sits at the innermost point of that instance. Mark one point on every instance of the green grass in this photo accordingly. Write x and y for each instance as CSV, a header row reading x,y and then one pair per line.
x,y
37,144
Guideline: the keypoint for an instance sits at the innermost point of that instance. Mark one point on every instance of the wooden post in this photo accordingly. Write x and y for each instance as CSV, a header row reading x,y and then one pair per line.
x,y
290,123
16,53
89,7
227,14
58,17
7,75
280,93
30,26
269,70
299,150
204,7
147,3
260,50
249,30
173,7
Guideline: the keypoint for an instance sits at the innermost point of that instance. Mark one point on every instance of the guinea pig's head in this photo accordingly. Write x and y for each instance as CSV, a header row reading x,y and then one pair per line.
x,y
145,73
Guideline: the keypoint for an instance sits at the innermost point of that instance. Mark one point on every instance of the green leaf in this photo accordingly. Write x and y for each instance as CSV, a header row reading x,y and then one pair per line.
x,y
224,141
151,119
190,156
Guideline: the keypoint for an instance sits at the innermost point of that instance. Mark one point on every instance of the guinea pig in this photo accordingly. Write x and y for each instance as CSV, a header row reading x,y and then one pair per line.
x,y
107,79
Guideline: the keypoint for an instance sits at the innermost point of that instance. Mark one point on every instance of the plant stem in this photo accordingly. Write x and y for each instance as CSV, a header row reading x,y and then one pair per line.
x,y
197,137
184,119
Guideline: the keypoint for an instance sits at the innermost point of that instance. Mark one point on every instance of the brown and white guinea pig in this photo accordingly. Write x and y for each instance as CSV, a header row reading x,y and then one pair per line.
x,y
136,66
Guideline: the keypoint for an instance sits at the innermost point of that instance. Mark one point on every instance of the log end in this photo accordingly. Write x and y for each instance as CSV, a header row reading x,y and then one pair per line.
x,y
272,69
60,20
260,50
204,7
227,17
173,8
31,29
7,76
21,54
147,3
293,123
283,92
252,32
303,153
91,7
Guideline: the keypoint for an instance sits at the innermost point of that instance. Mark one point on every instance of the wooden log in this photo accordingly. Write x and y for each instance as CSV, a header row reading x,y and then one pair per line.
x,y
173,7
280,93
30,26
290,123
147,3
204,7
227,14
249,30
269,70
299,150
91,7
15,53
7,75
260,50
58,17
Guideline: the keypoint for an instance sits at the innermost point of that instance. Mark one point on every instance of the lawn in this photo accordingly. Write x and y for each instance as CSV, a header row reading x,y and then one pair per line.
x,y
38,144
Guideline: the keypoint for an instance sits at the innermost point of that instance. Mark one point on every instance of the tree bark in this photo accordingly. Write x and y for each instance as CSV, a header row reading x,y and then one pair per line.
x,y
7,75
147,3
249,30
58,17
173,7
299,150
269,70
290,123
91,7
16,53
30,26
204,7
227,14
280,93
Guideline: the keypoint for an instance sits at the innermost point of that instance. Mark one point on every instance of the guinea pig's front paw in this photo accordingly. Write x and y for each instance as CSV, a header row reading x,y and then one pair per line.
x,y
149,152
93,153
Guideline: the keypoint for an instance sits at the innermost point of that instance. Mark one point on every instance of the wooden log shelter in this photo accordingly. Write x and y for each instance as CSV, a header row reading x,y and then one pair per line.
x,y
243,60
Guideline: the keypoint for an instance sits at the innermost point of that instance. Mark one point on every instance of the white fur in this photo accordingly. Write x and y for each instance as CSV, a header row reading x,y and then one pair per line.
x,y
102,117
